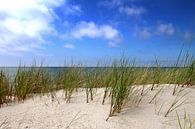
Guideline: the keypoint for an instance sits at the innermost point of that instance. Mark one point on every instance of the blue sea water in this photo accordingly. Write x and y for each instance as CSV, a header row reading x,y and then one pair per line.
x,y
13,70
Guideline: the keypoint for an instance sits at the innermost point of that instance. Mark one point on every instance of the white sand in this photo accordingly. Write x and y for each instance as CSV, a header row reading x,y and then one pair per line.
x,y
43,114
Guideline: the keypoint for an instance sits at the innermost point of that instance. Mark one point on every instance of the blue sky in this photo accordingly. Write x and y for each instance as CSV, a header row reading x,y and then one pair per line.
x,y
89,31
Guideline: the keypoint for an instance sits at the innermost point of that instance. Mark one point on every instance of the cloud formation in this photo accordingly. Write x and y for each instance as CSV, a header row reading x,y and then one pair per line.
x,y
143,33
110,3
132,11
24,24
73,9
159,30
189,36
68,45
165,29
112,44
92,30
123,7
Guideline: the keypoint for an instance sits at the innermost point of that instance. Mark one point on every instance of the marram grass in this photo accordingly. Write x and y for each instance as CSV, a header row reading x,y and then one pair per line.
x,y
119,81
4,88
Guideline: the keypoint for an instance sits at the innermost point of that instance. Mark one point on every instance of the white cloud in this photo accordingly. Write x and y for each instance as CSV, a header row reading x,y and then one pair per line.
x,y
189,36
110,3
165,29
24,24
92,30
70,46
132,11
112,44
73,9
86,29
143,33
114,3
159,30
122,7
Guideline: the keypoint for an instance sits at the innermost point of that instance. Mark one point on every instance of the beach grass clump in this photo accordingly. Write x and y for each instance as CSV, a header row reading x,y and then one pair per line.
x,y
140,75
4,88
34,75
94,79
185,74
24,82
142,78
90,83
167,75
121,84
71,81
58,78
177,74
46,84
107,83
21,84
189,74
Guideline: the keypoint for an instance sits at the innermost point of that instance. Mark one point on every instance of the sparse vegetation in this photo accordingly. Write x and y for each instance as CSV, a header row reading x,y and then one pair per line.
x,y
156,94
186,123
123,83
4,88
177,102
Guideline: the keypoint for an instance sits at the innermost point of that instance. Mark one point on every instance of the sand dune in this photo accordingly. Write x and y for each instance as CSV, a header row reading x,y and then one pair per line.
x,y
42,113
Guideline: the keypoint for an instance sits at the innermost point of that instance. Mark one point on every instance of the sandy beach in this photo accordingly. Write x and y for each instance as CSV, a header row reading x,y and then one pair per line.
x,y
40,112
97,64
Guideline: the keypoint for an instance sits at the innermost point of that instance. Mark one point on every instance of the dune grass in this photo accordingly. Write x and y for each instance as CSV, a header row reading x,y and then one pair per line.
x,y
4,88
156,75
106,79
186,123
91,81
71,80
179,100
25,82
121,82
